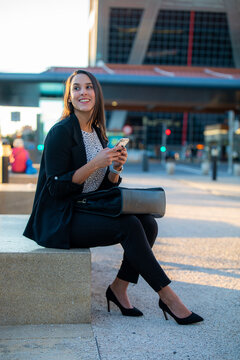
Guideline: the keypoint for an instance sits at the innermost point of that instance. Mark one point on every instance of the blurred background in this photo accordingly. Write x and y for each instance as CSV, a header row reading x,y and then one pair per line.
x,y
170,73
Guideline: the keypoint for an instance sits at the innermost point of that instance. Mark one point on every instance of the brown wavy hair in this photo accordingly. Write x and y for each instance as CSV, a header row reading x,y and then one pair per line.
x,y
98,116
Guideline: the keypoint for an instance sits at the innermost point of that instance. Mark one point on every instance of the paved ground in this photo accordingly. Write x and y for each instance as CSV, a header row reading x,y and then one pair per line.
x,y
198,246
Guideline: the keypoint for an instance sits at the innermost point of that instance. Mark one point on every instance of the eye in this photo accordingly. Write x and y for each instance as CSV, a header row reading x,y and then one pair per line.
x,y
89,87
76,88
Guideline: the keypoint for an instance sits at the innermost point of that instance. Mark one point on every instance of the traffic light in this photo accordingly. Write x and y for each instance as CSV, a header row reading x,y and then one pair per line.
x,y
40,147
163,148
168,132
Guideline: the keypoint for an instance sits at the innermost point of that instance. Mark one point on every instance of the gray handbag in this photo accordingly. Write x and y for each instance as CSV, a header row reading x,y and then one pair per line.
x,y
144,201
117,200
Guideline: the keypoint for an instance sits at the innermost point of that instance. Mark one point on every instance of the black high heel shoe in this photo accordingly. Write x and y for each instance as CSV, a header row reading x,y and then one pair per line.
x,y
191,319
127,312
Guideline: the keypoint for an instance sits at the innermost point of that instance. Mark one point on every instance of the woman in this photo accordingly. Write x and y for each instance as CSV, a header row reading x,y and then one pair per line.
x,y
76,159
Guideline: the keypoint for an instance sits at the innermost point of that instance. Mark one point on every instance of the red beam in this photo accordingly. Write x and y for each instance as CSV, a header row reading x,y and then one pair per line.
x,y
190,38
184,128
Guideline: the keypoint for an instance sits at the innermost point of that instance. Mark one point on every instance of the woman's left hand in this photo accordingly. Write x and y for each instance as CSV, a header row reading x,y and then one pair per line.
x,y
122,158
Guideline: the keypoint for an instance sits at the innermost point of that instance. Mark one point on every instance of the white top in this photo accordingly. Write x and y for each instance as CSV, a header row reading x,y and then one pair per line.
x,y
92,146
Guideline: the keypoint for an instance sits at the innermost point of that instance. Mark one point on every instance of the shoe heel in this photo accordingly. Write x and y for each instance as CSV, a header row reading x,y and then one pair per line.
x,y
191,319
127,312
108,305
165,315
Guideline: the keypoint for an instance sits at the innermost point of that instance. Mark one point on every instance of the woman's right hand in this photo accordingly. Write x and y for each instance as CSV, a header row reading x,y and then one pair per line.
x,y
105,157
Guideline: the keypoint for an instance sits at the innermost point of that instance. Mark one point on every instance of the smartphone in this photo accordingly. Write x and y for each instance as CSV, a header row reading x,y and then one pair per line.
x,y
122,142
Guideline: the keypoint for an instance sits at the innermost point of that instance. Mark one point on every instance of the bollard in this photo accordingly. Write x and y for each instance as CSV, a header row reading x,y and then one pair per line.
x,y
4,174
214,168
170,167
236,169
214,154
205,167
145,166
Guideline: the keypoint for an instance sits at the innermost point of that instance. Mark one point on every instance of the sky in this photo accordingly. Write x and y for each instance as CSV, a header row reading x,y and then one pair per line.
x,y
38,34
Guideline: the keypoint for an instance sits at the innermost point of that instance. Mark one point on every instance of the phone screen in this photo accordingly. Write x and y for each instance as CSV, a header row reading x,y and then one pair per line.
x,y
122,142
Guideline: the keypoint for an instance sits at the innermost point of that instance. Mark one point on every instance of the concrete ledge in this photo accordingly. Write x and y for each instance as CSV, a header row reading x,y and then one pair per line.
x,y
39,285
17,198
22,178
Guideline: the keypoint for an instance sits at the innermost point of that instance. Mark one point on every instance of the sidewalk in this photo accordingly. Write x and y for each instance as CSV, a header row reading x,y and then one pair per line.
x,y
225,185
198,247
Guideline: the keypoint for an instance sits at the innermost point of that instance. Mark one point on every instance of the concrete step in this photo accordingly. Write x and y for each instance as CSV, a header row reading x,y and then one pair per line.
x,y
39,285
45,342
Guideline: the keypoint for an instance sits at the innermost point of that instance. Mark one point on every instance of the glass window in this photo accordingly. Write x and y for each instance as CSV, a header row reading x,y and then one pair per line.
x,y
123,27
212,44
169,41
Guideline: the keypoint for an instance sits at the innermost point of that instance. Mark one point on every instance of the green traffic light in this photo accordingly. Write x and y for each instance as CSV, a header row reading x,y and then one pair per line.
x,y
163,148
40,147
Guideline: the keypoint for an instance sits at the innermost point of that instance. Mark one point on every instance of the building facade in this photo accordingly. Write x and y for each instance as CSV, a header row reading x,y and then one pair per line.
x,y
170,32
203,33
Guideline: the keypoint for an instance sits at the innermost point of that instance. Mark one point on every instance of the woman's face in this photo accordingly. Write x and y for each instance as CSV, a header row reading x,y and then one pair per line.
x,y
82,94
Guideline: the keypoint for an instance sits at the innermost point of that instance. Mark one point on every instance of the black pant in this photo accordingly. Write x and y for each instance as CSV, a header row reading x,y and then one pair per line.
x,y
136,234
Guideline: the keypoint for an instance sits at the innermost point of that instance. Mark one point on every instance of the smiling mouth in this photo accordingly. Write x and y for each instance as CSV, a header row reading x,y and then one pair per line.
x,y
84,100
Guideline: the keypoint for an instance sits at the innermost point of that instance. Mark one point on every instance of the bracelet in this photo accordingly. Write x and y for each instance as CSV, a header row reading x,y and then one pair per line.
x,y
118,172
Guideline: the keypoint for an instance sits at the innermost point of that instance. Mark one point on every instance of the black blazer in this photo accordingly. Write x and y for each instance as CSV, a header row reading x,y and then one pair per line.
x,y
64,152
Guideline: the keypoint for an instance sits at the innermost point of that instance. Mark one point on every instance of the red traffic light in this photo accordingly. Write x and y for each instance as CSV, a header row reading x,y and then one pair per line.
x,y
168,132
